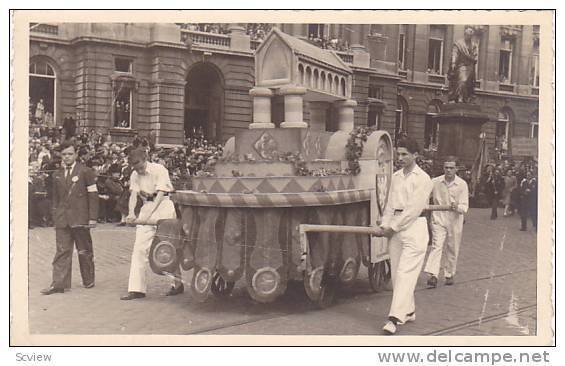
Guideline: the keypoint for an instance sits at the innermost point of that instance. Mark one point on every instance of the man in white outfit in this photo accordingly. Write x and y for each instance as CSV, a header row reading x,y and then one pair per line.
x,y
447,226
407,230
151,182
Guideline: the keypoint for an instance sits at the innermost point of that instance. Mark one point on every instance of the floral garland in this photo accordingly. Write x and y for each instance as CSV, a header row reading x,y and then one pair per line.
x,y
354,147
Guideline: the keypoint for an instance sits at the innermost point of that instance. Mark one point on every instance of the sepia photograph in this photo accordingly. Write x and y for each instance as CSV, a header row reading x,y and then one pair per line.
x,y
304,177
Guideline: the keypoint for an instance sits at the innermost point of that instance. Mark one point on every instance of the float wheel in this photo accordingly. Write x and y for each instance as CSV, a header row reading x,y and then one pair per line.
x,y
379,275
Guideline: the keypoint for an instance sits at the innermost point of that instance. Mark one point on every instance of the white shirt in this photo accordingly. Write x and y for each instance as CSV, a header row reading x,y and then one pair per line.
x,y
409,193
445,193
156,178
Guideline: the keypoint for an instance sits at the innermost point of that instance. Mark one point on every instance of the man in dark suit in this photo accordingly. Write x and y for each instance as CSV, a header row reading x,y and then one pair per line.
x,y
75,206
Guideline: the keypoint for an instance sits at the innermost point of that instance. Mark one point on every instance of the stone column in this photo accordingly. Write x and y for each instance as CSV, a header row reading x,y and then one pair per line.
x,y
345,114
318,116
239,40
293,114
261,108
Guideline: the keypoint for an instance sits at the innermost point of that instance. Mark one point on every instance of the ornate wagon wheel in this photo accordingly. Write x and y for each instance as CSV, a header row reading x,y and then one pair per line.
x,y
221,287
379,275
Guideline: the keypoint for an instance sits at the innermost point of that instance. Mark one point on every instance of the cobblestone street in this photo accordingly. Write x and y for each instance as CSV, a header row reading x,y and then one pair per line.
x,y
494,294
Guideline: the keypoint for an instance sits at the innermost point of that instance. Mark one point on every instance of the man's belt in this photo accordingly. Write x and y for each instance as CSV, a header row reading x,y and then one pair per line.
x,y
153,196
399,211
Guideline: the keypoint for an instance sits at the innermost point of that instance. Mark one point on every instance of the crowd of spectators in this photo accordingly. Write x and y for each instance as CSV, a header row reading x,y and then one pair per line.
x,y
109,161
258,31
330,43
217,28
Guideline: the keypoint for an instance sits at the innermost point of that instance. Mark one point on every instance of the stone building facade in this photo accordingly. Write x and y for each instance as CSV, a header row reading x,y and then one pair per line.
x,y
132,78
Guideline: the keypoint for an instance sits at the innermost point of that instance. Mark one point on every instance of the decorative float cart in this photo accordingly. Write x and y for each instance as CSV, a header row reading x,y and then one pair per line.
x,y
252,220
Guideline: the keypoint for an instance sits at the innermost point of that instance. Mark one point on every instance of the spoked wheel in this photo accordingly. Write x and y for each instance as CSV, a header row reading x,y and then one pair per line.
x,y
379,275
221,287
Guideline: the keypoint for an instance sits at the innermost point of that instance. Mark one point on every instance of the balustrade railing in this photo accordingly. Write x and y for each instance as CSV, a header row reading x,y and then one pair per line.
x,y
206,39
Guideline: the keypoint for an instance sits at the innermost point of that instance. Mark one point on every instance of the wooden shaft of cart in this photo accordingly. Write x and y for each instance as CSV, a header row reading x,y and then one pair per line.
x,y
309,228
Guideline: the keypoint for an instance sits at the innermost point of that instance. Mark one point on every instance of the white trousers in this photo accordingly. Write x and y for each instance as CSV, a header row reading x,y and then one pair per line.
x,y
143,238
407,250
450,236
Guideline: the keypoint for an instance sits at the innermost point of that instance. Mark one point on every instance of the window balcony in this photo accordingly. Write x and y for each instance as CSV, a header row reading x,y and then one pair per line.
x,y
44,28
436,78
214,40
505,87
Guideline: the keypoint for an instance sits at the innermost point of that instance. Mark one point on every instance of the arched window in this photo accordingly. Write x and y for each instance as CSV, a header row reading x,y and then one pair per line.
x,y
301,74
336,85
342,91
401,125
316,80
42,93
323,80
308,76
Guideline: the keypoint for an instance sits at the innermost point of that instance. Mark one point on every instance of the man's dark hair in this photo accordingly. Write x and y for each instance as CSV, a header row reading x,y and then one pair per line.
x,y
136,155
66,144
451,159
409,144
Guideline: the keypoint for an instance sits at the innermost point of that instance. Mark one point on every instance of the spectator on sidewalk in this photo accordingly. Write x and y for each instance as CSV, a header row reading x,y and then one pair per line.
x,y
75,202
510,184
447,226
494,184
528,201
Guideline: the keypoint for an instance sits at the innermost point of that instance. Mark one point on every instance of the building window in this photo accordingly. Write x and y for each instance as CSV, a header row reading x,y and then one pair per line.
x,y
122,107
502,131
505,61
42,94
400,126
431,127
316,31
402,48
375,92
435,50
534,130
534,69
123,65
374,117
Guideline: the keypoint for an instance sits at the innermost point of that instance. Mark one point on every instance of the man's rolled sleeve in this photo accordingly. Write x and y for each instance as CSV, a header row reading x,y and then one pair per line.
x,y
163,180
463,199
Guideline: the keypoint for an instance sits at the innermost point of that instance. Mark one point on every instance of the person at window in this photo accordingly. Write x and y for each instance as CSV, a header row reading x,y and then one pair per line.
x,y
39,112
461,73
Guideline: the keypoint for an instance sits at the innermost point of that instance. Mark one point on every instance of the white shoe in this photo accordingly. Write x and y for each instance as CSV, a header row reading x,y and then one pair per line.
x,y
389,328
409,318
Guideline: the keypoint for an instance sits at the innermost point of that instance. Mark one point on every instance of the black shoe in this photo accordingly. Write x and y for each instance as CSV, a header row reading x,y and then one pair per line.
x,y
52,290
90,285
121,224
133,295
175,290
432,282
448,281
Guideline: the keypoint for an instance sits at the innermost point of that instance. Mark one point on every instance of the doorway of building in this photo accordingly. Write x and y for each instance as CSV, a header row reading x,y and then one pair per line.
x,y
203,103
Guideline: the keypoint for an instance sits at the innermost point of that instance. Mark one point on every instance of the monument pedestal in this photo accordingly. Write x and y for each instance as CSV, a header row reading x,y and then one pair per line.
x,y
460,125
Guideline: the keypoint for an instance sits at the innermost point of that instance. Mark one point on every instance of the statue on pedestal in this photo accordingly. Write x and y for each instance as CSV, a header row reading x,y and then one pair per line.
x,y
461,74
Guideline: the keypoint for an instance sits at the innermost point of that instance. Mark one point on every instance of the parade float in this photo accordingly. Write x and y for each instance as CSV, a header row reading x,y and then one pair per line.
x,y
261,216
